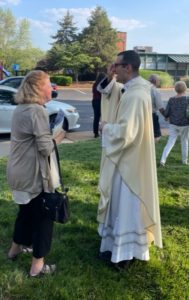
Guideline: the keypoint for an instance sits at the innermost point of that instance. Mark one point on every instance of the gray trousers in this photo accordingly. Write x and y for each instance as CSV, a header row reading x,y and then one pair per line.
x,y
174,132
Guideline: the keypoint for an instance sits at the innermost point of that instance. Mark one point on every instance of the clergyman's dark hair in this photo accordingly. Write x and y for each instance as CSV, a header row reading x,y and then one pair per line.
x,y
130,57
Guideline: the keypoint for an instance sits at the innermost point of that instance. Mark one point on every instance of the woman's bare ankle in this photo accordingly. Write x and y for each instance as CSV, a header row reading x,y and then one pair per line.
x,y
37,265
14,249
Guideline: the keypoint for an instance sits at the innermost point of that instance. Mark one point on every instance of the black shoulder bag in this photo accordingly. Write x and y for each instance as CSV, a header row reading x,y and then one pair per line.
x,y
56,205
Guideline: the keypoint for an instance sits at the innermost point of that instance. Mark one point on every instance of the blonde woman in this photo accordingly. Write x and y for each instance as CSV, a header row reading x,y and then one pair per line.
x,y
28,170
179,123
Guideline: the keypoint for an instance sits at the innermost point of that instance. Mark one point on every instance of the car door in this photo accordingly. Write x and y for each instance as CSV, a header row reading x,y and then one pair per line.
x,y
7,107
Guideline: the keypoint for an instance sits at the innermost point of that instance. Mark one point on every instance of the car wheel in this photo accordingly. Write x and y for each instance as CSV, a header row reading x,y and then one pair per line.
x,y
65,124
52,120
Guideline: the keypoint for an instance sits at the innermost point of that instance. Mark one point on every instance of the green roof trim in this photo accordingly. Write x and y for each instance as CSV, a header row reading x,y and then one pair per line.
x,y
180,58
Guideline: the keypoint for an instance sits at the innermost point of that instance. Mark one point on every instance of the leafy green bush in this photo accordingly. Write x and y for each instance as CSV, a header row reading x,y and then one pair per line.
x,y
186,80
61,80
166,80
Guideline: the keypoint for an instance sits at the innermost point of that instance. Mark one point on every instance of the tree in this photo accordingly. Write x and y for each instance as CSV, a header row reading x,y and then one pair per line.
x,y
94,48
15,42
68,57
28,58
67,32
7,32
67,52
23,39
53,58
99,39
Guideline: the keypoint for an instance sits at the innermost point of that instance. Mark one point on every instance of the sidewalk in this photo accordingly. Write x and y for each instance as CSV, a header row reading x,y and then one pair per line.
x,y
79,85
4,148
88,84
71,138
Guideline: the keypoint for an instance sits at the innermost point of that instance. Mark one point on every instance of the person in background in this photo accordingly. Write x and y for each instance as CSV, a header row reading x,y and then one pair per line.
x,y
157,105
179,123
96,104
128,210
29,172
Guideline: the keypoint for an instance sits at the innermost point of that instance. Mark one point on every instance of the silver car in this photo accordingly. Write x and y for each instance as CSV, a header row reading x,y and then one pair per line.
x,y
7,106
15,82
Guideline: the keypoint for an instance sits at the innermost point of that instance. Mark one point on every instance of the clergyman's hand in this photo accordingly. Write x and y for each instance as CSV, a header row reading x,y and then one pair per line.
x,y
111,72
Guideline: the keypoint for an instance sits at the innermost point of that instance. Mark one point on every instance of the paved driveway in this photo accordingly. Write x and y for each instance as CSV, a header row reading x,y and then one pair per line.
x,y
81,99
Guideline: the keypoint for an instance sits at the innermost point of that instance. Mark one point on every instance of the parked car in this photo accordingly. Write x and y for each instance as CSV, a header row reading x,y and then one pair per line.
x,y
15,82
7,106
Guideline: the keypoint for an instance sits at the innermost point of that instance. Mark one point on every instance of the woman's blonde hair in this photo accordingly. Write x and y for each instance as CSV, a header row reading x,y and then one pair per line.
x,y
30,88
180,87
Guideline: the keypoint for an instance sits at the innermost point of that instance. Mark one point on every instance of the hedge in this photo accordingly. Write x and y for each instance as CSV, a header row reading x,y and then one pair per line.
x,y
166,80
61,80
186,80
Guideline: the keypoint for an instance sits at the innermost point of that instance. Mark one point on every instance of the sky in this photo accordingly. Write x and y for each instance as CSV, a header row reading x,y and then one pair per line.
x,y
162,24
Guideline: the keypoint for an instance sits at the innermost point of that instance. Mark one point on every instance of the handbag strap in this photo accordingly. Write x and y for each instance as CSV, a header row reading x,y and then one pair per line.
x,y
59,170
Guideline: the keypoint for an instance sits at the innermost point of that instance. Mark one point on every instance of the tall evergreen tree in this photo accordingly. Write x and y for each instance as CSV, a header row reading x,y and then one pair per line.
x,y
66,34
99,38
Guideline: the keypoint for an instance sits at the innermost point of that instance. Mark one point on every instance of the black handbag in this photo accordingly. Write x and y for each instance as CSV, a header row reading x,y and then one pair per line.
x,y
56,205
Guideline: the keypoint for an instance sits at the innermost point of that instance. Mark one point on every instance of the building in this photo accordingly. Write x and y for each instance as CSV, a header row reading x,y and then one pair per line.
x,y
121,41
177,65
143,49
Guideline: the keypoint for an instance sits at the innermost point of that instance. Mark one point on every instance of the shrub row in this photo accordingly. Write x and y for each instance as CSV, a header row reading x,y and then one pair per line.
x,y
186,80
166,80
61,80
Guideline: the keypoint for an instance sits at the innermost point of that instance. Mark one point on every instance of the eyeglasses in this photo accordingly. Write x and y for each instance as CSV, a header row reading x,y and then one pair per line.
x,y
120,64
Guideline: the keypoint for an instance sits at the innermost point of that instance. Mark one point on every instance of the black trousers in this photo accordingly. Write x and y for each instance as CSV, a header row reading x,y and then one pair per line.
x,y
96,104
156,125
33,227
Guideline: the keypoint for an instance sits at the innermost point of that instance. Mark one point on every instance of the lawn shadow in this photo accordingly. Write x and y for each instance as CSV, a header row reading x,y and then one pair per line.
x,y
174,215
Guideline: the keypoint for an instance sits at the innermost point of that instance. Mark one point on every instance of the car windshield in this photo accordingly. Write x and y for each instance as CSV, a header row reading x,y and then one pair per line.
x,y
13,82
7,97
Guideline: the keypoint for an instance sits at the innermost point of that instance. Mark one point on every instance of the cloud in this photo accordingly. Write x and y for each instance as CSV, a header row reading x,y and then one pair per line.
x,y
45,27
14,2
81,16
126,24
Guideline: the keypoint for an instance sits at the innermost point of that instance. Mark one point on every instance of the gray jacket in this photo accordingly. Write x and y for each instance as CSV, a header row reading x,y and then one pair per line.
x,y
31,144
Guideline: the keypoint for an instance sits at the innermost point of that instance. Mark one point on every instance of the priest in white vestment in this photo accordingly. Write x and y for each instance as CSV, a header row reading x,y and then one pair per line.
x,y
111,92
128,211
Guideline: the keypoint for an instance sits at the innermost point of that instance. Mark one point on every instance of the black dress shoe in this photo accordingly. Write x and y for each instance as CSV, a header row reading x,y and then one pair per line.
x,y
106,255
96,135
123,265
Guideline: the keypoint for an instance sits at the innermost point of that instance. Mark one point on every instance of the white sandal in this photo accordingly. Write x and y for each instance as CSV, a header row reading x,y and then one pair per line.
x,y
23,249
46,270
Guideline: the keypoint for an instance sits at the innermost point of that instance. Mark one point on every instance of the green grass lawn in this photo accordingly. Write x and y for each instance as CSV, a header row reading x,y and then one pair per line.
x,y
80,274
